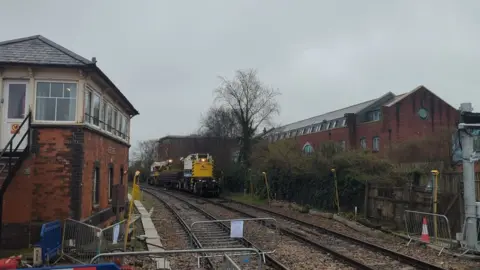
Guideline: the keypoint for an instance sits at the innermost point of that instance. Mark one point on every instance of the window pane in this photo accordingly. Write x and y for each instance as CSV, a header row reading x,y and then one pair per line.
x,y
66,109
16,100
102,114
56,90
109,118
43,89
96,109
115,122
45,109
70,90
88,98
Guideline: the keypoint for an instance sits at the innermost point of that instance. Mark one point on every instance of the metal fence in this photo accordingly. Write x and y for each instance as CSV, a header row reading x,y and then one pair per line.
x,y
229,264
81,241
428,228
264,236
150,259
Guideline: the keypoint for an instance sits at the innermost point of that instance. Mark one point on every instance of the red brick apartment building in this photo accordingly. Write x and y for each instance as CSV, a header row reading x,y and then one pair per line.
x,y
374,124
75,125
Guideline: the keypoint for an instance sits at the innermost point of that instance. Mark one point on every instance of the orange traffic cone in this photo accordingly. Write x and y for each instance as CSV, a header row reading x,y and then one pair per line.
x,y
425,238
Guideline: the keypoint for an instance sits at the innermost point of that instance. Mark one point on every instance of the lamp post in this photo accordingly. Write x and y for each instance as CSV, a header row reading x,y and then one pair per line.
x,y
336,199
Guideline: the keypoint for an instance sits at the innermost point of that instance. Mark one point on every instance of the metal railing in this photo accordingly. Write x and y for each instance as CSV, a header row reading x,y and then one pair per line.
x,y
81,241
266,238
428,228
103,125
12,166
143,256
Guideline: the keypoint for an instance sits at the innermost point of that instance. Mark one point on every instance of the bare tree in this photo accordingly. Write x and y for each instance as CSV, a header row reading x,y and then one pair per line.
x,y
220,122
252,103
144,154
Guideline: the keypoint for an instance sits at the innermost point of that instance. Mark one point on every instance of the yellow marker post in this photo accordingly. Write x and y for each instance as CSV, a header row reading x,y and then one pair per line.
x,y
336,198
268,188
135,195
435,174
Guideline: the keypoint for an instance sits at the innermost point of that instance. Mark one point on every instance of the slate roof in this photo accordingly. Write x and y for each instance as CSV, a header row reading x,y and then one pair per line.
x,y
337,114
38,50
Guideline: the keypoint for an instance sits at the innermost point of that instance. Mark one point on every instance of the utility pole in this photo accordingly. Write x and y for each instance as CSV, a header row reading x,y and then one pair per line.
x,y
468,122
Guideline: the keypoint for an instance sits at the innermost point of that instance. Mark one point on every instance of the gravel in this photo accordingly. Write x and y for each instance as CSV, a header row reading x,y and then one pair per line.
x,y
289,251
172,235
388,241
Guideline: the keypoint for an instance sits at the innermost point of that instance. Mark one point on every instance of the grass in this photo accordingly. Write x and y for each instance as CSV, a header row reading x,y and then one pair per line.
x,y
254,200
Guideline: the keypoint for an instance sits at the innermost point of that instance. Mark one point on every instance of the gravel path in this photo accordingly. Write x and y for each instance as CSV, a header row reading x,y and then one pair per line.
x,y
388,241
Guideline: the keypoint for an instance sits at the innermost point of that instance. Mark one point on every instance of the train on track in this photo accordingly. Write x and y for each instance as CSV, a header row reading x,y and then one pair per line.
x,y
193,173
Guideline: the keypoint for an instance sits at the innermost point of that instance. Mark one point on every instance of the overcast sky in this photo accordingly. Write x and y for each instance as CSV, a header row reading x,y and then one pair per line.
x,y
166,56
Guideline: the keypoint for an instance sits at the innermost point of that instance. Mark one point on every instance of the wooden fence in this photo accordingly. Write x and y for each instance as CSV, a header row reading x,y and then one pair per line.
x,y
386,204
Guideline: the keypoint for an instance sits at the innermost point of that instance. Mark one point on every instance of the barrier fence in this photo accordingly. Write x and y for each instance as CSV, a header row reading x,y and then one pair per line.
x,y
265,237
50,241
81,241
428,228
168,257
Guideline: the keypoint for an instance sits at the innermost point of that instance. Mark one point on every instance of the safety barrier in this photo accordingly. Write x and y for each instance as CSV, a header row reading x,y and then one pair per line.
x,y
81,241
50,241
145,258
428,228
265,238
105,266
229,264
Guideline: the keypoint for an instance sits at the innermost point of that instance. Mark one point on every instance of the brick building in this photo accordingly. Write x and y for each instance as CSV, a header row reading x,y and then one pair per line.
x,y
76,126
175,147
374,124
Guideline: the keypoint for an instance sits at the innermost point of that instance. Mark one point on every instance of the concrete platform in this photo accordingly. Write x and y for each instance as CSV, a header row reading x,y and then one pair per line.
x,y
151,233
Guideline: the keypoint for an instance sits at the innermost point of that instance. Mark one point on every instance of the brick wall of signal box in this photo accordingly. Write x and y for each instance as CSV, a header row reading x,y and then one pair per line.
x,y
55,182
400,122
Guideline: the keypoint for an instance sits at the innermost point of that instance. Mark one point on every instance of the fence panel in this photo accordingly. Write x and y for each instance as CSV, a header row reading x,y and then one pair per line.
x,y
81,241
113,237
229,264
263,237
434,227
175,259
51,240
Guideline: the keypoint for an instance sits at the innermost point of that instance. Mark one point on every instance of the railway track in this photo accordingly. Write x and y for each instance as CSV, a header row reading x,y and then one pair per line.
x,y
211,234
345,248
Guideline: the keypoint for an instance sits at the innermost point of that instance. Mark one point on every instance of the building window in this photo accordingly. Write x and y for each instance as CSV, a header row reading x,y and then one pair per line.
x,y
309,130
110,181
328,125
102,115
55,101
115,122
121,175
334,124
363,143
376,144
109,118
373,115
307,148
87,106
342,145
96,186
344,122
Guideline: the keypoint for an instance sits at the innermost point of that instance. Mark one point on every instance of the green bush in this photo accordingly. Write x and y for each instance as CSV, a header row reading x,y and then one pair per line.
x,y
308,179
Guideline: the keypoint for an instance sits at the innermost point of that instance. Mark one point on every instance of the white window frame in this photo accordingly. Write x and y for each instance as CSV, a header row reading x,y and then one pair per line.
x,y
363,143
305,147
334,124
35,102
376,144
344,122
328,125
309,130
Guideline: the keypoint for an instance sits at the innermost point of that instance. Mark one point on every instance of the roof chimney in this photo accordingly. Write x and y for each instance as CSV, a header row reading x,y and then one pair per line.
x,y
94,59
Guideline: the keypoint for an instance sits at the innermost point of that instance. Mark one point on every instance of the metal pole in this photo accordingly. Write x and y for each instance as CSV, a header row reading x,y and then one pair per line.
x,y
469,191
435,202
